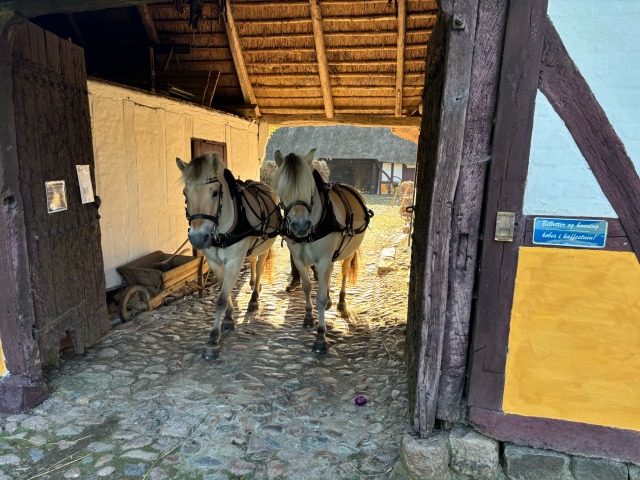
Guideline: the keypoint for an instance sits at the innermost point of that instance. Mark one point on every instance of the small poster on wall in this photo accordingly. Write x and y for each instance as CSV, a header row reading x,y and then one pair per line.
x,y
84,180
56,196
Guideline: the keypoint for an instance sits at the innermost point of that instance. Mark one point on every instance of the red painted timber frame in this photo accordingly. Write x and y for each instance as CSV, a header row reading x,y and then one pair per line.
x,y
535,58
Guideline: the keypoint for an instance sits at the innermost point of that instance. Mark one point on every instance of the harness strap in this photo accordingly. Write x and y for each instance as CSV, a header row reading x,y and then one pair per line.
x,y
328,222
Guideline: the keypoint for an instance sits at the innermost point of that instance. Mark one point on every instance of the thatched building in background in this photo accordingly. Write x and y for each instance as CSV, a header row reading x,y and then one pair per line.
x,y
371,159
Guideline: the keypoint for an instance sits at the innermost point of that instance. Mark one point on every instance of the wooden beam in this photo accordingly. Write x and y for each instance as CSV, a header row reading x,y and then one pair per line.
x,y
572,99
402,27
321,53
513,128
467,205
238,59
147,23
340,119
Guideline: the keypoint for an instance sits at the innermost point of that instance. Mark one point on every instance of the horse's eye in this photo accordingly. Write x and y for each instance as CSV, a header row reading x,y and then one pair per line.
x,y
214,194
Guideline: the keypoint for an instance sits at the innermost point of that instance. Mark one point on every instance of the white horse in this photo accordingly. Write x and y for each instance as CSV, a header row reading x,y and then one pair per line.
x,y
229,220
324,223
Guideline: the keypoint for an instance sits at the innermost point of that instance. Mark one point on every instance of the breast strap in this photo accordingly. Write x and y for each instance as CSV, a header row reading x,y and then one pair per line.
x,y
328,222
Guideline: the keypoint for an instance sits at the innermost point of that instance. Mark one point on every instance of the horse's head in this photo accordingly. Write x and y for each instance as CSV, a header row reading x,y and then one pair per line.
x,y
203,187
295,186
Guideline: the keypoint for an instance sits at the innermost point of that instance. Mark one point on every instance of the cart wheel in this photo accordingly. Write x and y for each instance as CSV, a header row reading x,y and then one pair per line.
x,y
135,299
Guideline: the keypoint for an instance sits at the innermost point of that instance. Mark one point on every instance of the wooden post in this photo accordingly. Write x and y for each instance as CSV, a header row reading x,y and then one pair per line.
x,y
512,141
439,157
467,205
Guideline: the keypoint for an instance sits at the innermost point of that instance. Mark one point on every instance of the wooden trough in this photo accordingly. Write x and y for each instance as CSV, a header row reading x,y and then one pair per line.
x,y
150,279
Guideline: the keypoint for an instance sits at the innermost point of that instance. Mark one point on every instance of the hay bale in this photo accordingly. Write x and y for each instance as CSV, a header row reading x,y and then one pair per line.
x,y
268,170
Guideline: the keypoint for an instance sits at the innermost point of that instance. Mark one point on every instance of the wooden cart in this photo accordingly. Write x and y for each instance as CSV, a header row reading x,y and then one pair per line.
x,y
150,279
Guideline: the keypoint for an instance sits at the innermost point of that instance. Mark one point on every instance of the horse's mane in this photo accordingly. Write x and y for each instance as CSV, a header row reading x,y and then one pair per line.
x,y
203,168
294,180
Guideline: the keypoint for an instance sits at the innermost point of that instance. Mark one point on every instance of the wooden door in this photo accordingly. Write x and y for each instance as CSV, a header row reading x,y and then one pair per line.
x,y
52,137
202,147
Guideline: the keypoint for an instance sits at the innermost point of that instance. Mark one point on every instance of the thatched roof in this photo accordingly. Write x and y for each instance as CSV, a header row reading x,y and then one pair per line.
x,y
287,62
343,142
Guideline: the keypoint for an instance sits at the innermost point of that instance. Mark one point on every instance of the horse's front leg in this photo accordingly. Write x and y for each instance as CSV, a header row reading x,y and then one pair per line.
x,y
322,297
309,321
224,304
257,267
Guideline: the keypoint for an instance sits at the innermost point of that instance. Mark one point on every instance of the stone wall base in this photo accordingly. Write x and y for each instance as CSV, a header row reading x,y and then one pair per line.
x,y
464,454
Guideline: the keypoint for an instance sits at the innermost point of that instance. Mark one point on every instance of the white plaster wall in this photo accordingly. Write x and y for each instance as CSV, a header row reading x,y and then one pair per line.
x,y
604,43
136,139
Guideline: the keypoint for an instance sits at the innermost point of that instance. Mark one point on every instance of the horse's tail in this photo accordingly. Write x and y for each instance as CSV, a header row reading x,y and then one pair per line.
x,y
268,265
355,267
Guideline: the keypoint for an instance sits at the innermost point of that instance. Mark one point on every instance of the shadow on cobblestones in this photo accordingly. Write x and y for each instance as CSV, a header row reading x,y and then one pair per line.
x,y
142,403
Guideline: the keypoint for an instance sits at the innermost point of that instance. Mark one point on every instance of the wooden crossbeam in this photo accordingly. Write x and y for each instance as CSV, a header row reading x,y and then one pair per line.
x,y
402,30
147,22
321,52
238,59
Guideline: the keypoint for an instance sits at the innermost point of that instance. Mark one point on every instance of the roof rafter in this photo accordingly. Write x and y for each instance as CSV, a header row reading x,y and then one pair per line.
x,y
402,30
147,22
238,59
321,52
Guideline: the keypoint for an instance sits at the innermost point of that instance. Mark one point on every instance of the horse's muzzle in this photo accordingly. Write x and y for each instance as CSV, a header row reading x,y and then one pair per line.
x,y
200,240
300,229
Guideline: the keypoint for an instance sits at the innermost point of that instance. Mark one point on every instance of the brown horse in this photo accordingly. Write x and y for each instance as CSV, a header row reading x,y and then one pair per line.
x,y
323,223
229,220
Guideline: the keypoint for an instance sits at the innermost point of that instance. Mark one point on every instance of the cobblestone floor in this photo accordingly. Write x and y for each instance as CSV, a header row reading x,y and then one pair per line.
x,y
142,403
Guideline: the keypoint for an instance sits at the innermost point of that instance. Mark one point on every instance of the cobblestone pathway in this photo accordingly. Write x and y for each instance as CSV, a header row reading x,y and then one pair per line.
x,y
142,403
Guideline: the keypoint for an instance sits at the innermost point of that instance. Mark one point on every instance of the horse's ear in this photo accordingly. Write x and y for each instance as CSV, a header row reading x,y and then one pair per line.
x,y
279,158
310,155
181,165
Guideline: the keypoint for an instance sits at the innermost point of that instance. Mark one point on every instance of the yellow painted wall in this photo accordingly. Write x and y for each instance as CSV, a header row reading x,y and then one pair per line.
x,y
3,367
574,344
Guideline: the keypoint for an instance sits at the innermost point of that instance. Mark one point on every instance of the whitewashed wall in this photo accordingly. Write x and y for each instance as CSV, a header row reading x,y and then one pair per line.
x,y
136,139
605,46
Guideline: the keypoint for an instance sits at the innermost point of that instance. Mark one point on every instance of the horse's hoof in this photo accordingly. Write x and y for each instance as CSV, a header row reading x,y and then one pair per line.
x,y
342,306
253,306
319,347
228,325
210,353
309,322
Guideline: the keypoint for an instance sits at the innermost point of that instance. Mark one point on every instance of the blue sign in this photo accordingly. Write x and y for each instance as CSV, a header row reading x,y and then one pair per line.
x,y
568,232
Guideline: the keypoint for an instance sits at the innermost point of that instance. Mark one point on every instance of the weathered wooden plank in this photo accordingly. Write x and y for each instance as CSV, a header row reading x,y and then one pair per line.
x,y
15,289
512,139
572,99
53,52
440,162
427,151
467,205
570,437
342,119
97,319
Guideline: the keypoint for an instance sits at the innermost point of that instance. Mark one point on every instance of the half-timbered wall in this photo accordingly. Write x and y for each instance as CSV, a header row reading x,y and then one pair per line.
x,y
572,352
554,354
136,139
